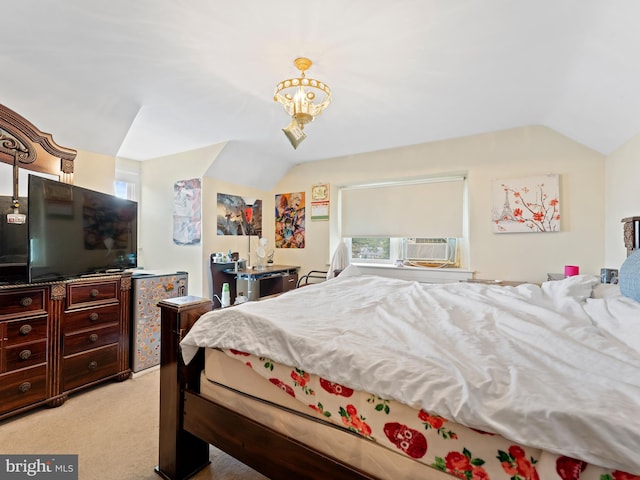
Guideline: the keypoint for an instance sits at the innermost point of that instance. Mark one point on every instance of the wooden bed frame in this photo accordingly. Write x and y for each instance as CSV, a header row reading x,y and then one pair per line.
x,y
190,422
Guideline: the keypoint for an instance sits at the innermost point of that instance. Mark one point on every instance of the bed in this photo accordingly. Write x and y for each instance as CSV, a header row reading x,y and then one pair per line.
x,y
439,381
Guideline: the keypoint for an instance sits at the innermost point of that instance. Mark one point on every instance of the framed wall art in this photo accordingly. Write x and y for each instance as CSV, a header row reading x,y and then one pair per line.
x,y
528,204
290,220
187,210
320,201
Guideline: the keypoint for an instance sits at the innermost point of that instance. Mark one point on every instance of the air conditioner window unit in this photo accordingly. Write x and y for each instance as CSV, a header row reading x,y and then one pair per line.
x,y
430,250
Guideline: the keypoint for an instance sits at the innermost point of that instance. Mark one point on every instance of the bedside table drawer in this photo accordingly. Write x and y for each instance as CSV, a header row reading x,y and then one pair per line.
x,y
97,337
84,368
22,388
26,355
30,301
91,317
83,294
29,330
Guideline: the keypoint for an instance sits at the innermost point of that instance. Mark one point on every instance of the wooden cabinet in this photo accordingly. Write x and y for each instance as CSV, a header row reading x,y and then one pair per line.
x,y
94,331
25,347
57,338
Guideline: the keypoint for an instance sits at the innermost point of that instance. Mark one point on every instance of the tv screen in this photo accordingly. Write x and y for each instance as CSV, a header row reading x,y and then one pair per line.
x,y
13,243
74,231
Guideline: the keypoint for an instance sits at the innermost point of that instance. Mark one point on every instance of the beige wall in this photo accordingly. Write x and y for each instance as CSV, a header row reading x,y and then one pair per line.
x,y
94,171
623,197
157,249
507,154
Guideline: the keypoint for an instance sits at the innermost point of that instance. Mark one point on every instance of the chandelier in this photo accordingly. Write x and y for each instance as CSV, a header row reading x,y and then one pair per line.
x,y
303,99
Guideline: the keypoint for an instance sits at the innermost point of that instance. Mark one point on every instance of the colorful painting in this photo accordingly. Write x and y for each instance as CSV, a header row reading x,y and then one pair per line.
x,y
238,216
530,204
290,218
187,222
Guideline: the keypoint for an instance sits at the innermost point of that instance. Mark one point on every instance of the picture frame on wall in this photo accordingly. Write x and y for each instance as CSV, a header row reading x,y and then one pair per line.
x,y
290,220
526,205
320,201
320,192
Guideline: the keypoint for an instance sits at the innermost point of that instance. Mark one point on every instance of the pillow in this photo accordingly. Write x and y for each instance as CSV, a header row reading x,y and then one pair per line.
x,y
575,286
629,276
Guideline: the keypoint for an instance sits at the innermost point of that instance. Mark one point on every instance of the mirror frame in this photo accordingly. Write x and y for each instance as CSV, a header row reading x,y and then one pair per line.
x,y
33,149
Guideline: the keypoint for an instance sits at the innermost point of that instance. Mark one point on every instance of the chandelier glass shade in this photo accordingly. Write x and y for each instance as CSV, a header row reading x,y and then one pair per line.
x,y
303,99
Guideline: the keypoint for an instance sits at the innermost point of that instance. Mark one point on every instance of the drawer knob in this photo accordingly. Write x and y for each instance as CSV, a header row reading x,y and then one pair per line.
x,y
93,338
25,329
25,354
94,292
93,317
26,301
93,365
24,387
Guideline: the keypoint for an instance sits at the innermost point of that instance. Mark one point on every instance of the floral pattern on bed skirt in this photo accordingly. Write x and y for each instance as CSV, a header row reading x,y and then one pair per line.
x,y
463,452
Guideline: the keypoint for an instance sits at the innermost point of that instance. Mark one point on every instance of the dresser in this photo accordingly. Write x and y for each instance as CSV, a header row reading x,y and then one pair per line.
x,y
26,345
60,337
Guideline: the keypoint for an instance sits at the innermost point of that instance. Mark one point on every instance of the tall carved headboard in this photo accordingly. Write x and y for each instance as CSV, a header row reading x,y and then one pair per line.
x,y
22,143
631,233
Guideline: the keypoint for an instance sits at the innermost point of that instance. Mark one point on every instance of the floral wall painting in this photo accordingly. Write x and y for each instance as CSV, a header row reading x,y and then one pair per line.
x,y
238,216
290,220
187,222
530,204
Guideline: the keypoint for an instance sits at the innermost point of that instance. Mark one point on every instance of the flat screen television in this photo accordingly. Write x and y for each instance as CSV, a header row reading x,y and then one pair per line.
x,y
14,249
74,231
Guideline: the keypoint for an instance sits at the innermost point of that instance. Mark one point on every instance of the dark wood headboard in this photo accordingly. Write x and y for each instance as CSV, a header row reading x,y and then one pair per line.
x,y
33,150
631,233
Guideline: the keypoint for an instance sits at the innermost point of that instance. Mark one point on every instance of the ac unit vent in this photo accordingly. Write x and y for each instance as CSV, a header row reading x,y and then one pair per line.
x,y
433,250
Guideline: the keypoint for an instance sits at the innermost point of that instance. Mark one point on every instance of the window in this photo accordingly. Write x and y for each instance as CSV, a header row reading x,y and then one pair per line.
x,y
426,252
127,179
125,190
418,221
364,248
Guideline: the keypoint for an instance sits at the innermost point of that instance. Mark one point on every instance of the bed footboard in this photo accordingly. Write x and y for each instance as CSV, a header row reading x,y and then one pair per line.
x,y
181,454
189,423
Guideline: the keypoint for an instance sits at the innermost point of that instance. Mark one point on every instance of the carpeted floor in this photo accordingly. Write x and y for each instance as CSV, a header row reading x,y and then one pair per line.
x,y
112,428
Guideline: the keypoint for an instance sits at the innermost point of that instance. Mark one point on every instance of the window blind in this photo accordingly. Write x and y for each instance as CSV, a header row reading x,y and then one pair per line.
x,y
417,208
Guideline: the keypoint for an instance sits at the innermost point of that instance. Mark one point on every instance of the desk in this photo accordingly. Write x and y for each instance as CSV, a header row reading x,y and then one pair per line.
x,y
264,281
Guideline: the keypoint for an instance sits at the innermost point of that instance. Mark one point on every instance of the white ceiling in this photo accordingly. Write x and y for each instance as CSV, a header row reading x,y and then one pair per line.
x,y
141,79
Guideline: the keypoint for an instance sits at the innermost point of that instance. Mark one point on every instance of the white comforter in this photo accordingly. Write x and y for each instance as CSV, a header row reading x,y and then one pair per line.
x,y
543,366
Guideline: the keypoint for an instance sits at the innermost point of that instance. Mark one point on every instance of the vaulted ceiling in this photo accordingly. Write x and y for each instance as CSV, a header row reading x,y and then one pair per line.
x,y
149,78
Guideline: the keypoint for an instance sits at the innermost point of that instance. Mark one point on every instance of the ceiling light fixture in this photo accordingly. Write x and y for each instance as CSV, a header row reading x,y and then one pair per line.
x,y
303,99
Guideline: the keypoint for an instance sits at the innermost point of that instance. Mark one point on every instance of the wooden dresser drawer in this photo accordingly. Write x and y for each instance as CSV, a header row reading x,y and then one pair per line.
x,y
23,387
80,341
26,355
27,301
84,294
87,367
91,317
29,330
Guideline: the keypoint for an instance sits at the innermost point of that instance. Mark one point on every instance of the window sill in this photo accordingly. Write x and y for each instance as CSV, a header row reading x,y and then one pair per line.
x,y
419,274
